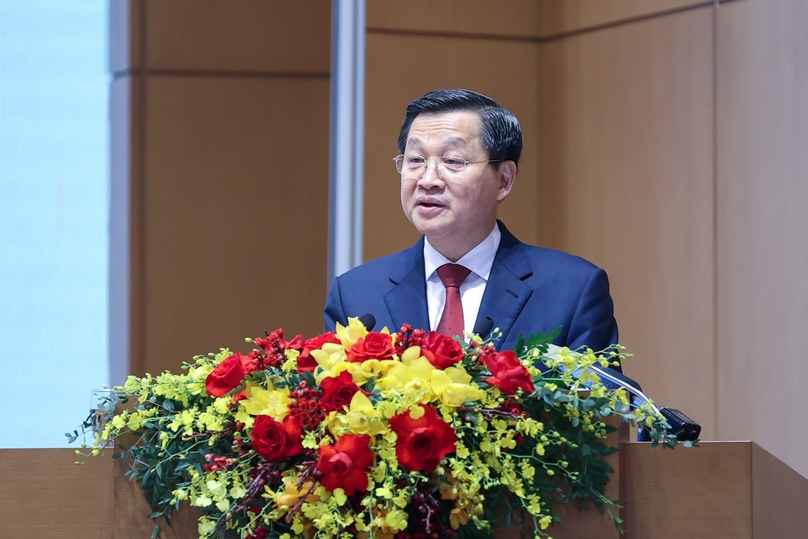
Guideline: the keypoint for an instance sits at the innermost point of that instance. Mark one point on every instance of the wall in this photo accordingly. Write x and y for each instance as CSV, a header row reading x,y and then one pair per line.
x,y
666,142
762,225
220,121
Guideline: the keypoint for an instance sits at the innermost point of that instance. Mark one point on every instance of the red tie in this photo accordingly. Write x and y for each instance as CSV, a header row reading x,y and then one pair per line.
x,y
451,321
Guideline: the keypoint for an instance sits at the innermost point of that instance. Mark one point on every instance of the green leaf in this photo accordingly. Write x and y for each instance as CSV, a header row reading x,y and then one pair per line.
x,y
520,344
155,532
542,339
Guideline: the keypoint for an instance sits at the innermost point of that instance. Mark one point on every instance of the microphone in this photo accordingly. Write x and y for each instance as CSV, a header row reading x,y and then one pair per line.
x,y
614,377
681,426
368,320
483,327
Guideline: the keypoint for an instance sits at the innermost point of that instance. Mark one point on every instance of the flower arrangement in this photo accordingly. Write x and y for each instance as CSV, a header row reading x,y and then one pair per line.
x,y
373,435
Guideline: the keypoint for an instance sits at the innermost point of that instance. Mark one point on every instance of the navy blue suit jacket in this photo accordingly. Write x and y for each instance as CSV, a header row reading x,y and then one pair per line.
x,y
530,290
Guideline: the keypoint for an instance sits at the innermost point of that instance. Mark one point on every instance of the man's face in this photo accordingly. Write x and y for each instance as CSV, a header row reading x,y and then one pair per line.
x,y
455,211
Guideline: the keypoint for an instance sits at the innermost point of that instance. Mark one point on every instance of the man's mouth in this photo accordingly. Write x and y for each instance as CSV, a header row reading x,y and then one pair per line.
x,y
428,203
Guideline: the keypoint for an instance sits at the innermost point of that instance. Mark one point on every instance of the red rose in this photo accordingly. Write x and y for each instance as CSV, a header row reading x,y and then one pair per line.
x,y
228,375
338,391
508,374
345,464
441,350
372,346
422,442
275,441
304,361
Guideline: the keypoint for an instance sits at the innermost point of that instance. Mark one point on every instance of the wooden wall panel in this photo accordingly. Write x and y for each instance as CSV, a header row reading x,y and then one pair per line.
x,y
220,175
504,70
626,181
235,212
254,35
762,81
511,18
562,16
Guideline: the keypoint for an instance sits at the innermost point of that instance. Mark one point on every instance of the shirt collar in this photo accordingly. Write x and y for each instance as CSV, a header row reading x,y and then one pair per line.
x,y
479,260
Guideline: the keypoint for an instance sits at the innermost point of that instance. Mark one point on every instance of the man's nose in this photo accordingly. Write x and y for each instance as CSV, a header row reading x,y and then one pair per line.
x,y
430,175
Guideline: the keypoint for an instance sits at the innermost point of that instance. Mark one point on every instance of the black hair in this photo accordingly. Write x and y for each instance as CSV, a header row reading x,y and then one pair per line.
x,y
501,134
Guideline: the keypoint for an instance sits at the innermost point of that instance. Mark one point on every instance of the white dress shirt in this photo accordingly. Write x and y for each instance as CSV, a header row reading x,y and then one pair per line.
x,y
479,260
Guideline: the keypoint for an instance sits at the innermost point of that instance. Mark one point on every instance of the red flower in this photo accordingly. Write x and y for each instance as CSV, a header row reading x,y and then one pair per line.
x,y
508,374
441,350
275,441
228,374
345,464
260,533
338,391
422,442
372,346
304,361
272,349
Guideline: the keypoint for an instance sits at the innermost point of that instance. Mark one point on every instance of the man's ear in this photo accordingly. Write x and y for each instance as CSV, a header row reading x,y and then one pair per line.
x,y
507,175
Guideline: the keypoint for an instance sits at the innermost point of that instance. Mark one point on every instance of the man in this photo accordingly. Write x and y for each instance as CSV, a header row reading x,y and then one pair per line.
x,y
459,156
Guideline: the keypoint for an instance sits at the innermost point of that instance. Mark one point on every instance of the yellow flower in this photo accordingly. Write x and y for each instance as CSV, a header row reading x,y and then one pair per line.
x,y
534,507
362,418
396,520
331,359
348,335
412,378
206,526
452,386
272,402
458,517
337,424
291,494
371,368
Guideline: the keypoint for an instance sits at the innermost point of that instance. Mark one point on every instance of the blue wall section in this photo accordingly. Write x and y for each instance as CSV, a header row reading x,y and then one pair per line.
x,y
54,190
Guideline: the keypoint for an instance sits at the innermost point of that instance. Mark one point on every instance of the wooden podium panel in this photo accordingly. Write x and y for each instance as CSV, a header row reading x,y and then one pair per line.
x,y
779,498
733,490
44,495
696,493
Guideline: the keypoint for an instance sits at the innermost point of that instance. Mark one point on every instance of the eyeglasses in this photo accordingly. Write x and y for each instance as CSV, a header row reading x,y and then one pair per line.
x,y
447,165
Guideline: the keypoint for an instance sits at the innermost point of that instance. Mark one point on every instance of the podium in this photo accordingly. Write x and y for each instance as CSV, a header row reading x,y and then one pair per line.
x,y
732,490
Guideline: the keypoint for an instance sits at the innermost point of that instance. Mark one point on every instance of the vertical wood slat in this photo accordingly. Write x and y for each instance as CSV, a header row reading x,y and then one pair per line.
x,y
219,197
762,159
626,181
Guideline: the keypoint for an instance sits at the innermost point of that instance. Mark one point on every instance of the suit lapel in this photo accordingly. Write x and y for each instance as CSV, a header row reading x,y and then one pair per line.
x,y
506,293
406,302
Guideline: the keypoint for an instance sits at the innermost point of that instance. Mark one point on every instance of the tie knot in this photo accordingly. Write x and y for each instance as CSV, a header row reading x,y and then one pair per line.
x,y
453,275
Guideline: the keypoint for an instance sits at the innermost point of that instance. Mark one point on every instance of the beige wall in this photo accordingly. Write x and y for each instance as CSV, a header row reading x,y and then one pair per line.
x,y
666,141
626,181
220,116
762,224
